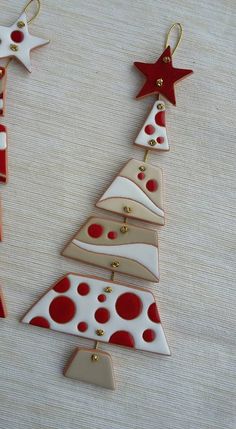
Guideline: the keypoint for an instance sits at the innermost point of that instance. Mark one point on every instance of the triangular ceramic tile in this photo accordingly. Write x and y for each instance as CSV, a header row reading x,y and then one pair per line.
x,y
3,308
153,134
91,366
136,192
117,247
103,310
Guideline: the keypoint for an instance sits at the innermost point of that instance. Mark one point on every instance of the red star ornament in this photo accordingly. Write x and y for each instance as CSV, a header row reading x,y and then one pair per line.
x,y
161,76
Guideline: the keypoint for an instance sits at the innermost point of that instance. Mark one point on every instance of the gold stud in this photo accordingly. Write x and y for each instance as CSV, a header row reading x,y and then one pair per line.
x,y
166,59
94,357
108,289
127,209
100,332
152,142
142,168
159,82
124,229
115,264
20,24
160,106
14,47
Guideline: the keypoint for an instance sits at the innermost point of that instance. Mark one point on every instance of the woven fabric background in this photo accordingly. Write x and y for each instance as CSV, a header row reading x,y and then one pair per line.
x,y
72,123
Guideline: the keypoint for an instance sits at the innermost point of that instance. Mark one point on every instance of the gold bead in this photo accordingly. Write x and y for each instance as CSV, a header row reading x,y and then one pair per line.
x,y
159,82
127,209
14,47
124,229
166,59
142,168
160,106
94,357
20,24
108,289
115,264
152,142
100,332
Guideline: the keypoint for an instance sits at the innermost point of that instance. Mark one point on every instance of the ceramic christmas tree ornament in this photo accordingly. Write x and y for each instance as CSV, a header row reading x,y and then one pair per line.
x,y
3,154
136,193
17,42
153,135
3,80
107,310
104,242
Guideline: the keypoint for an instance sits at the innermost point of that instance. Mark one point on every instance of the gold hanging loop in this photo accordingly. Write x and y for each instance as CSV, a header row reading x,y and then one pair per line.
x,y
38,7
180,36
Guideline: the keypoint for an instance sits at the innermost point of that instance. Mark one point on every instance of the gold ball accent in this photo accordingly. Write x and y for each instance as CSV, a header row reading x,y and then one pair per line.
x,y
108,289
20,24
14,47
159,82
127,209
124,229
94,357
166,59
142,168
115,264
100,332
160,106
152,142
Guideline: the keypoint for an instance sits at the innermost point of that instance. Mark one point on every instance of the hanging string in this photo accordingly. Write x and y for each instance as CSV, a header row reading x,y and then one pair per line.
x,y
38,7
180,35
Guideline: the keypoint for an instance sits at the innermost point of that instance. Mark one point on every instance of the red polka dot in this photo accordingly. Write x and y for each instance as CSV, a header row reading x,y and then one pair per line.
x,y
63,285
153,313
122,338
82,326
102,298
102,315
62,309
95,230
149,129
40,321
152,185
17,36
149,335
160,119
112,235
160,140
128,306
141,176
83,289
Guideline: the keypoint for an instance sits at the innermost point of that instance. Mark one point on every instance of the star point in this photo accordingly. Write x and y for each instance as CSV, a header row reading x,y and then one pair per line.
x,y
17,42
161,76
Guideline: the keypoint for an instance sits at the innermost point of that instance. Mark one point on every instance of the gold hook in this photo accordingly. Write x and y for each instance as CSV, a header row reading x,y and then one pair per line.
x,y
146,155
36,12
180,31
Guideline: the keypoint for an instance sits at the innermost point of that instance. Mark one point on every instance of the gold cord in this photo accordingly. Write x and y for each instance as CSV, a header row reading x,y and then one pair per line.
x,y
180,35
36,12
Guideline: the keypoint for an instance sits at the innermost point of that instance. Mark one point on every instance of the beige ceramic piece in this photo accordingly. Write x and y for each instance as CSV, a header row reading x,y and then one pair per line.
x,y
91,366
136,192
134,252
